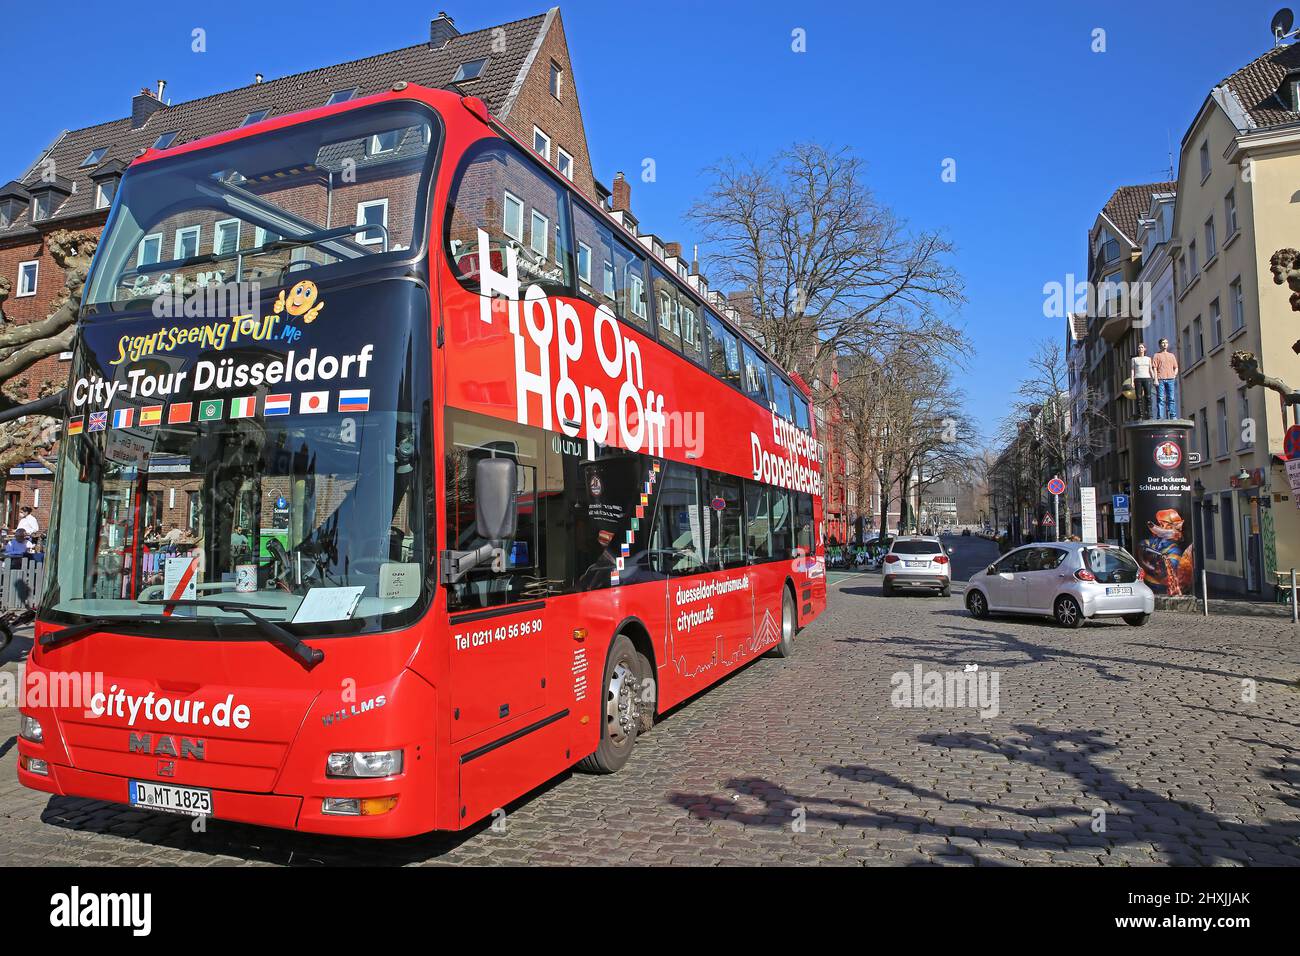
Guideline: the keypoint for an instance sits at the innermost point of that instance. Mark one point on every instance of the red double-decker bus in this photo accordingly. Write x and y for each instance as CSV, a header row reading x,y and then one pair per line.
x,y
397,479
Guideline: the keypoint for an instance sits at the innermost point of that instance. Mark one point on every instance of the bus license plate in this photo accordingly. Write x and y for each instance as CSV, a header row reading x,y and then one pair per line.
x,y
170,798
1110,591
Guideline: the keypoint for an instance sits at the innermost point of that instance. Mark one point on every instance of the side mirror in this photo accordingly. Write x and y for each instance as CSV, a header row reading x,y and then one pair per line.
x,y
496,515
990,570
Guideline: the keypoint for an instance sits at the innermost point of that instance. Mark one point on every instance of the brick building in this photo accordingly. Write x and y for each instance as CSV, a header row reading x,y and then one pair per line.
x,y
521,70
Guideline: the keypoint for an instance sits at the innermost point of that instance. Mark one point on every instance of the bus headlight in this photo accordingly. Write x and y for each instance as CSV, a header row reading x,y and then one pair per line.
x,y
29,728
364,763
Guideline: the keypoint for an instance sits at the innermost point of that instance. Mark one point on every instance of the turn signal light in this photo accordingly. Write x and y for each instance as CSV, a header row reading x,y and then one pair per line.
x,y
374,806
1083,574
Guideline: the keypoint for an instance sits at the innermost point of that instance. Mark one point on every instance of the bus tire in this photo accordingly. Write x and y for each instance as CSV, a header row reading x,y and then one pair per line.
x,y
620,715
789,626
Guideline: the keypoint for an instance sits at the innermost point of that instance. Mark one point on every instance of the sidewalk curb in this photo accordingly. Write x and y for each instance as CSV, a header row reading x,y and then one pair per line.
x,y
1192,605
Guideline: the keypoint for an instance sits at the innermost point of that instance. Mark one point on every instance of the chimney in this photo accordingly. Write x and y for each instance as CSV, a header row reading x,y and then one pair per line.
x,y
162,85
143,105
257,77
621,194
673,249
441,30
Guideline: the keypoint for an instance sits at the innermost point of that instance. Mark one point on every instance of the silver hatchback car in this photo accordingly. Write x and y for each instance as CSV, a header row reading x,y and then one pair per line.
x,y
917,561
1068,581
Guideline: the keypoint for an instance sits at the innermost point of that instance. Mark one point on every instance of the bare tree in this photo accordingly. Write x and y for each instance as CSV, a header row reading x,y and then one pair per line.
x,y
829,269
22,346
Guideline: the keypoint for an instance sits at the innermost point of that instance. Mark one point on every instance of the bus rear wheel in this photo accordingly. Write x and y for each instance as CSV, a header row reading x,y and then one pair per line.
x,y
789,626
620,712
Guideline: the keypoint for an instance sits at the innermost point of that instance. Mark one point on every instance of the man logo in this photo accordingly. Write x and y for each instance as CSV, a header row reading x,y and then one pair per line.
x,y
164,745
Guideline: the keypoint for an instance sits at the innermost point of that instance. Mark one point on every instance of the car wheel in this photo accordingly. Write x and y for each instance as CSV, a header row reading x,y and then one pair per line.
x,y
946,590
977,604
620,714
1136,620
1068,613
887,589
789,626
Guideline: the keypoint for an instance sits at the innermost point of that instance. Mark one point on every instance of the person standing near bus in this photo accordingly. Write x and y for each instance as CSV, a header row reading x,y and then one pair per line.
x,y
1142,380
28,522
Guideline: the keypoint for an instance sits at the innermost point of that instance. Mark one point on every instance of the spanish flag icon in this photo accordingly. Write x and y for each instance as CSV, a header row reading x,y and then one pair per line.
x,y
151,415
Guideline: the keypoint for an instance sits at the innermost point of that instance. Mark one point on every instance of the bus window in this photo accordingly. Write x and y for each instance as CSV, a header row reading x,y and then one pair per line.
x,y
502,193
781,396
781,523
677,541
724,545
629,286
692,334
602,497
724,350
800,409
755,375
666,311
594,258
758,522
803,525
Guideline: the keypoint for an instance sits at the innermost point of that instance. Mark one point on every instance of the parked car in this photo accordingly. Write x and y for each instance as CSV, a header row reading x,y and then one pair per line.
x,y
1069,581
965,532
917,561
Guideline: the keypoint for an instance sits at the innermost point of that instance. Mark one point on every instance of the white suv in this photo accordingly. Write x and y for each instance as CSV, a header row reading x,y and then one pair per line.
x,y
917,562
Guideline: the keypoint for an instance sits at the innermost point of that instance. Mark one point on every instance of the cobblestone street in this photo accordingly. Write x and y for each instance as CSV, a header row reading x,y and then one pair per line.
x,y
1111,745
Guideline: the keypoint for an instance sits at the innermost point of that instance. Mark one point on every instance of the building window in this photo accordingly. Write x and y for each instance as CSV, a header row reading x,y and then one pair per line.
x,y
42,206
1182,272
93,157
1203,419
1205,161
105,190
1191,259
150,250
557,79
373,213
1210,245
28,272
340,96
187,242
542,143
564,163
512,218
1216,325
163,141
469,70
584,262
1221,413
1238,304
263,237
1243,415
1198,340
385,142
540,234
255,117
1230,212
225,236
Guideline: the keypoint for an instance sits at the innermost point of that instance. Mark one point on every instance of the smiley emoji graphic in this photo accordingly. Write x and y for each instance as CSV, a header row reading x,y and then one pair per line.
x,y
300,301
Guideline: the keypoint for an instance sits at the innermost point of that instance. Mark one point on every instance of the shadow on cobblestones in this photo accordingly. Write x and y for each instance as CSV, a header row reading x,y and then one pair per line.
x,y
1137,824
17,650
7,746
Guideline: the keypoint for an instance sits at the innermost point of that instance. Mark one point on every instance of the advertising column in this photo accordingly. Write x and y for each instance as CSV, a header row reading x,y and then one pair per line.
x,y
1161,505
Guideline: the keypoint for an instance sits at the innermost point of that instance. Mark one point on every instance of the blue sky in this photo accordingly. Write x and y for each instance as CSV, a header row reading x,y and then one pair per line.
x,y
1042,129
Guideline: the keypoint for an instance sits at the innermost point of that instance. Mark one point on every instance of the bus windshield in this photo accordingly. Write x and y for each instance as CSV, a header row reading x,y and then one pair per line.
x,y
271,448
254,210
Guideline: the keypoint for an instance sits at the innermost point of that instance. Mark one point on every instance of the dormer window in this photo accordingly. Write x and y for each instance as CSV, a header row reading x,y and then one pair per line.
x,y
93,157
10,210
254,117
470,70
42,206
165,140
340,96
385,142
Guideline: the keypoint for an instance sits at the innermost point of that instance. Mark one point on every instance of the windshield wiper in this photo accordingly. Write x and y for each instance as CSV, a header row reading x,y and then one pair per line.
x,y
309,656
105,624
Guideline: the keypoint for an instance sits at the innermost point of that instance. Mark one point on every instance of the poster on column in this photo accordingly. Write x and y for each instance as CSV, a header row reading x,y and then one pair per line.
x,y
1162,509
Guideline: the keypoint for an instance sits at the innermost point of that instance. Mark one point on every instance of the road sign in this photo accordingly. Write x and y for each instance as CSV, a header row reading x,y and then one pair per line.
x,y
1193,458
1056,486
1291,443
1293,477
1120,507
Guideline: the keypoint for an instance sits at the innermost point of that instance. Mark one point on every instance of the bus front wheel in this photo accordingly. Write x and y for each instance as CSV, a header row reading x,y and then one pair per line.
x,y
620,712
